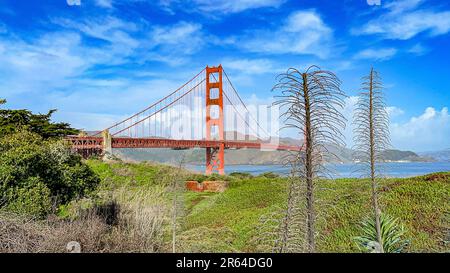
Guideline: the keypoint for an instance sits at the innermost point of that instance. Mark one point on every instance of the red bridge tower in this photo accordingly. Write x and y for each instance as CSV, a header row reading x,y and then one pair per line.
x,y
215,157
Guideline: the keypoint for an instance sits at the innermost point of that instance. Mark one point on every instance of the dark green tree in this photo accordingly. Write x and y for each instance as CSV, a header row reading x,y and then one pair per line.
x,y
41,124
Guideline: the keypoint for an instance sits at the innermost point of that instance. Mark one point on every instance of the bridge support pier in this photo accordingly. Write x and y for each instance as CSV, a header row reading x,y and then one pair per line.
x,y
215,160
215,157
107,144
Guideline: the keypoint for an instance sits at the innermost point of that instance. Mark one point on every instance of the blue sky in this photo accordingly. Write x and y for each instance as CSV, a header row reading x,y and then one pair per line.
x,y
98,61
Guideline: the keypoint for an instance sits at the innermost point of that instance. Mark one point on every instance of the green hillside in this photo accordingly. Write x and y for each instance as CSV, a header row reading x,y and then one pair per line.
x,y
231,221
252,157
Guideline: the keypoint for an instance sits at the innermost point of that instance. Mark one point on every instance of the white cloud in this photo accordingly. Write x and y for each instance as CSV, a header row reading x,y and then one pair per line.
x,y
394,111
380,54
429,131
258,101
51,73
46,63
175,44
303,32
104,3
404,20
212,7
400,6
171,44
183,36
250,66
73,2
54,70
227,6
418,49
247,72
114,31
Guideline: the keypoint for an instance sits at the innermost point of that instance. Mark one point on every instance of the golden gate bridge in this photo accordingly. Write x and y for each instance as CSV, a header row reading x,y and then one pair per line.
x,y
193,116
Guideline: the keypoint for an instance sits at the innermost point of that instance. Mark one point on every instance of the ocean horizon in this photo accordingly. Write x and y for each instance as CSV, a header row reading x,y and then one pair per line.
x,y
344,170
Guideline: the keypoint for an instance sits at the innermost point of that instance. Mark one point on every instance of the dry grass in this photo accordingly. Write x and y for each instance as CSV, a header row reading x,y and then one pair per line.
x,y
24,235
133,222
142,220
18,234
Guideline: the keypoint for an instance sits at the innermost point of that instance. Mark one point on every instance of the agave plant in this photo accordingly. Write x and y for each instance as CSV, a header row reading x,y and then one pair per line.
x,y
392,233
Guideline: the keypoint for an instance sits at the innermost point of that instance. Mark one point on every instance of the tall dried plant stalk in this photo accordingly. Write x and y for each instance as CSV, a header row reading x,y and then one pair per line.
x,y
371,135
311,102
291,230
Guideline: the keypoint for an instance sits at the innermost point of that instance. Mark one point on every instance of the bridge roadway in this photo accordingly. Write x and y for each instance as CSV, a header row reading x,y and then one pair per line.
x,y
89,142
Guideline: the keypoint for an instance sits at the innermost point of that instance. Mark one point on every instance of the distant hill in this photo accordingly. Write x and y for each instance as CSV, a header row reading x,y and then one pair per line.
x,y
397,155
254,157
442,156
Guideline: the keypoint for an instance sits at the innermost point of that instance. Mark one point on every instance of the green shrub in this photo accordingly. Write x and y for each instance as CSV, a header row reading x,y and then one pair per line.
x,y
201,177
241,175
32,200
30,165
270,175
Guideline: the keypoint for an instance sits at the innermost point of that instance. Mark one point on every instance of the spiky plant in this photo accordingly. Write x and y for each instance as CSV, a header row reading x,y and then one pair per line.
x,y
371,135
283,230
392,233
311,102
291,228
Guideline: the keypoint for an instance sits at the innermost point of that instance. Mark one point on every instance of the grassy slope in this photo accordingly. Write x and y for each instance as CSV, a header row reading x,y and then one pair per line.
x,y
229,221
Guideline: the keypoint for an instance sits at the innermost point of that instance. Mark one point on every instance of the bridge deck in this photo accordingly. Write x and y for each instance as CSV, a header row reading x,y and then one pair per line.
x,y
79,143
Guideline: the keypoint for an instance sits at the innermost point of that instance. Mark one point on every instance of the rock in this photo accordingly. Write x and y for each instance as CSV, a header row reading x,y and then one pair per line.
x,y
215,186
194,186
207,186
